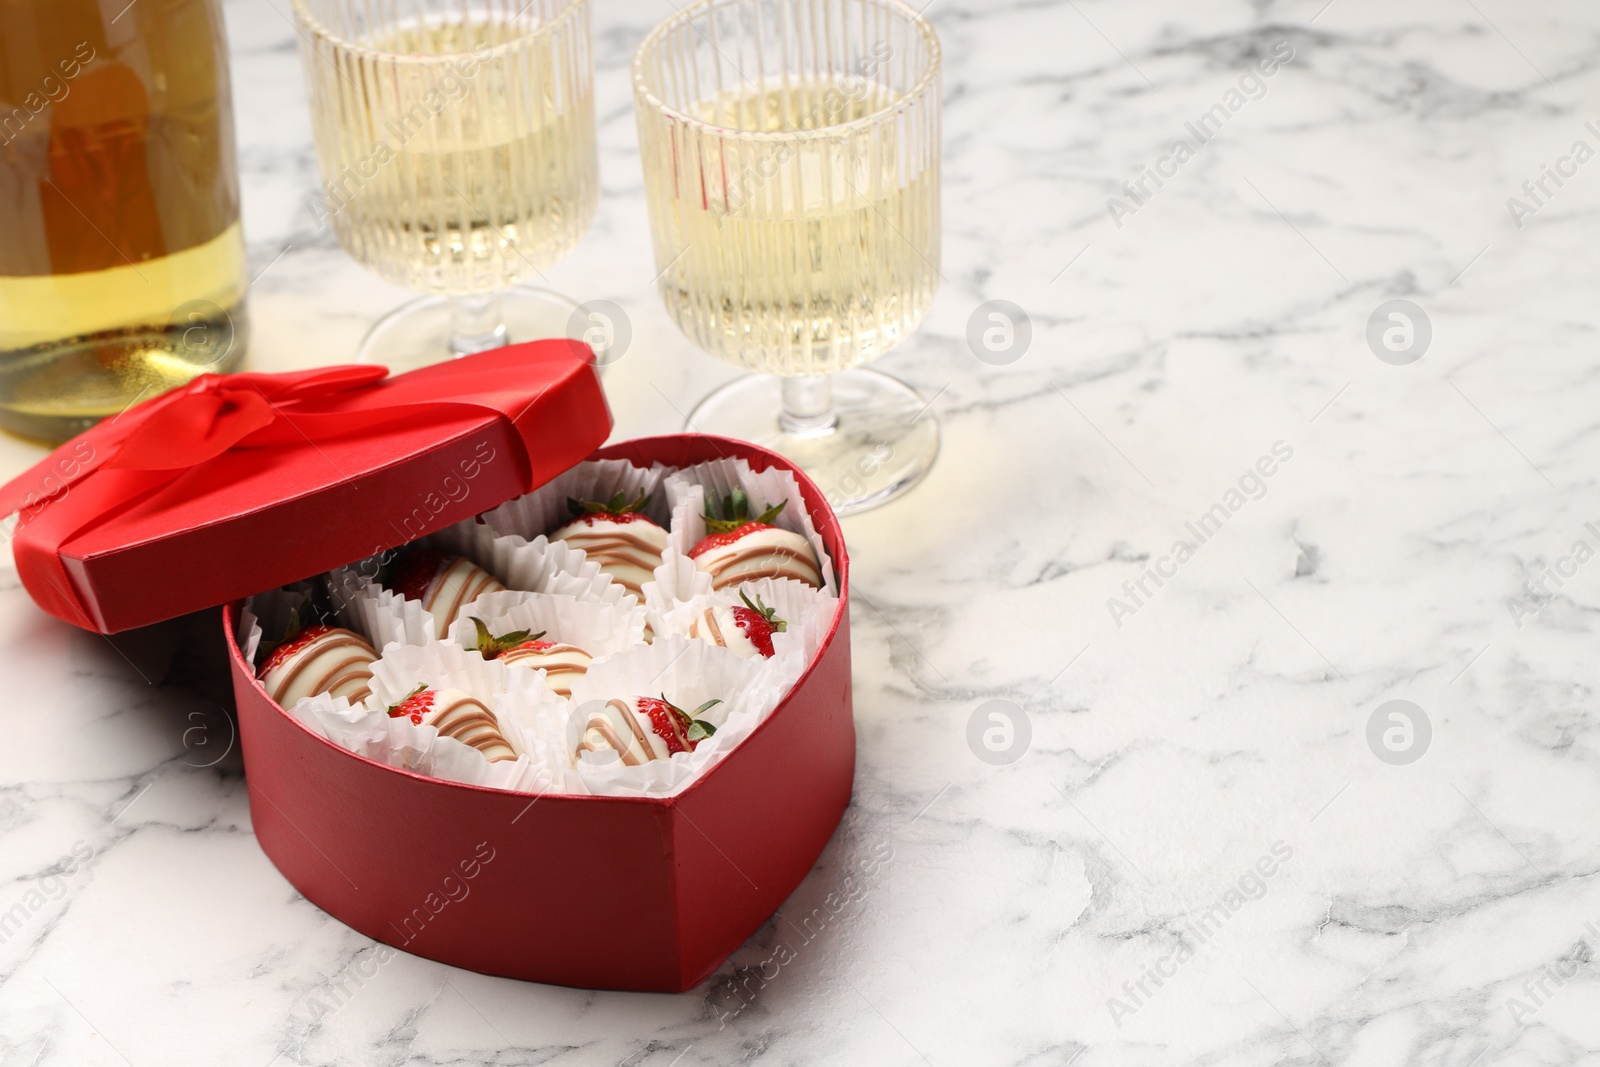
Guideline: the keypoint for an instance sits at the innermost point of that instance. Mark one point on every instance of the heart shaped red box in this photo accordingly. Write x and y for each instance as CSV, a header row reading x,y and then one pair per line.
x,y
593,891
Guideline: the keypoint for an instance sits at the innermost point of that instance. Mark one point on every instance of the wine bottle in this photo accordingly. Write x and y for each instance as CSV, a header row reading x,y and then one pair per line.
x,y
122,263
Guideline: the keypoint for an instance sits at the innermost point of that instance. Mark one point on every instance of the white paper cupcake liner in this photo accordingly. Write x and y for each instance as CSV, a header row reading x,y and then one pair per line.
x,y
538,566
524,707
807,613
688,489
535,565
544,510
689,673
269,613
599,629
383,617
677,581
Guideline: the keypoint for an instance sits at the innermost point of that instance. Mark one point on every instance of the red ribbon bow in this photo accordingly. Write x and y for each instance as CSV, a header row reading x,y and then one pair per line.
x,y
215,413
126,459
193,423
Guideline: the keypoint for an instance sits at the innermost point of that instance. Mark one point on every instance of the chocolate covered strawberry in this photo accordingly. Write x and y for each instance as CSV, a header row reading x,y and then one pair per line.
x,y
561,662
617,535
682,731
644,729
743,628
738,548
456,714
445,584
318,659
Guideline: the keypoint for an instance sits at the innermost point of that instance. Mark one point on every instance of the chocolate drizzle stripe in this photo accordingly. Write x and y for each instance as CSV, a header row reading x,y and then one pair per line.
x,y
785,563
618,549
756,575
633,724
602,726
615,538
469,722
556,682
571,667
356,674
615,555
475,584
710,618
361,655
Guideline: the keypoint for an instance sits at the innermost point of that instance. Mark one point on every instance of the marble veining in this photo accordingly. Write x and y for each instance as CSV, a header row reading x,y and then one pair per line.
x,y
1211,849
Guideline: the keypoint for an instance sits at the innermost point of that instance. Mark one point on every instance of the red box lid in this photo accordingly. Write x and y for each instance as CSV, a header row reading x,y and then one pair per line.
x,y
238,483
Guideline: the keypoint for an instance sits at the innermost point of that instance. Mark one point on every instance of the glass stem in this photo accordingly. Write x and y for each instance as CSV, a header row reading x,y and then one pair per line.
x,y
476,324
808,407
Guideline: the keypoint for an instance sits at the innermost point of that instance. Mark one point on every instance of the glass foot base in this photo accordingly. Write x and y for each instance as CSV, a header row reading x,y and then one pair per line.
x,y
883,440
418,334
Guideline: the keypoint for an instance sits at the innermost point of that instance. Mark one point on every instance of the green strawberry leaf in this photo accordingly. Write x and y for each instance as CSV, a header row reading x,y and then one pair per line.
x,y
735,512
394,709
297,622
485,639
695,729
770,614
492,647
619,504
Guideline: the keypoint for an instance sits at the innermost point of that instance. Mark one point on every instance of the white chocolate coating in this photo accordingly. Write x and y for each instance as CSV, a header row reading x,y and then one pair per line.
x,y
336,661
561,663
462,716
770,553
628,551
618,728
457,585
716,624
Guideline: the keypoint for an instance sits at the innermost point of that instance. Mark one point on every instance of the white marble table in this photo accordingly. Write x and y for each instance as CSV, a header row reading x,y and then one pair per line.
x,y
1182,741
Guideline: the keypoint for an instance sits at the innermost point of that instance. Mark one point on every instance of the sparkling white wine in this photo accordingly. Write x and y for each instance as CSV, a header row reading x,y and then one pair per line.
x,y
458,151
122,266
791,161
77,347
802,256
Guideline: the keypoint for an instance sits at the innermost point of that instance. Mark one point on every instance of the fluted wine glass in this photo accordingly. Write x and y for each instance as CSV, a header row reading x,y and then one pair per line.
x,y
791,161
456,144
